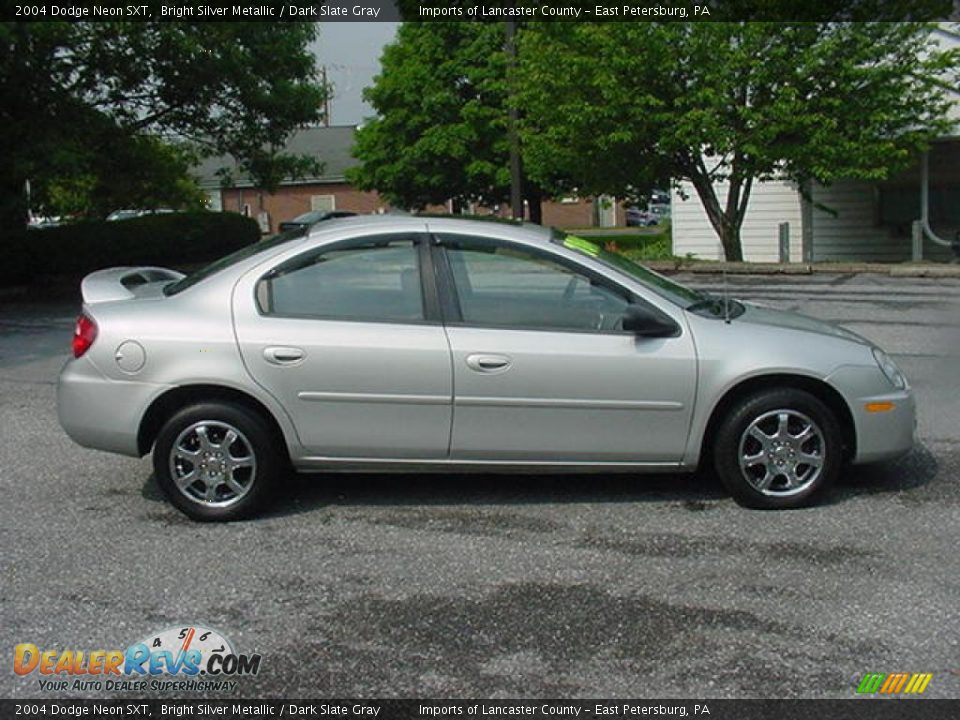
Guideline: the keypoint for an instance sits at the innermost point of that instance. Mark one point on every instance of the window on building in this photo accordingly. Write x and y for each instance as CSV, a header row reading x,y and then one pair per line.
x,y
323,203
900,205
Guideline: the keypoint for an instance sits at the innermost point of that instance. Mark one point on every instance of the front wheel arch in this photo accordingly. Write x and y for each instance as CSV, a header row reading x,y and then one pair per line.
x,y
175,399
818,388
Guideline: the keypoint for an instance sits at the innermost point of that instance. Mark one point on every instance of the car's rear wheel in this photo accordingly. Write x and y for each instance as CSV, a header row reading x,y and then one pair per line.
x,y
778,449
216,461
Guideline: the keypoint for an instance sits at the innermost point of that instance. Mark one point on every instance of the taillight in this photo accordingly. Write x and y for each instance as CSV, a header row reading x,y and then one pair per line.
x,y
84,334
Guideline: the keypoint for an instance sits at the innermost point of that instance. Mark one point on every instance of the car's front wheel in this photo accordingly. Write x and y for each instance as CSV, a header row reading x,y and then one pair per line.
x,y
778,449
216,461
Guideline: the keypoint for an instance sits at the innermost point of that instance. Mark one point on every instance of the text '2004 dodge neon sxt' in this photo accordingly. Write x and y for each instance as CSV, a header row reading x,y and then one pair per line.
x,y
435,344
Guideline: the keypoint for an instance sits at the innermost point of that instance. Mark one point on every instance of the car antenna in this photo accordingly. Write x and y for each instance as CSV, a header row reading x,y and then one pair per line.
x,y
726,298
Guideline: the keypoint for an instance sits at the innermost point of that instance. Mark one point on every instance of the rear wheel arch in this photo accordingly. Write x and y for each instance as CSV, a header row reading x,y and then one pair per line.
x,y
818,388
175,399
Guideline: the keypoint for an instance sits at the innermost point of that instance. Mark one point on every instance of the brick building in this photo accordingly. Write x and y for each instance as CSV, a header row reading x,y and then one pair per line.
x,y
331,191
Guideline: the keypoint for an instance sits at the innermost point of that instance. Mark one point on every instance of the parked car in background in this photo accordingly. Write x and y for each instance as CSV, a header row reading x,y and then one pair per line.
x,y
129,214
308,220
640,218
39,222
413,343
659,197
660,212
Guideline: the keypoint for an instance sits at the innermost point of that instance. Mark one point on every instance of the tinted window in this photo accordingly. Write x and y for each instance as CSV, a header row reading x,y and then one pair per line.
x,y
376,280
506,286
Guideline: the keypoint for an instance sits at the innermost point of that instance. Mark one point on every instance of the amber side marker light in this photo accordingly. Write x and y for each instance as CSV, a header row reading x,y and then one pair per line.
x,y
876,407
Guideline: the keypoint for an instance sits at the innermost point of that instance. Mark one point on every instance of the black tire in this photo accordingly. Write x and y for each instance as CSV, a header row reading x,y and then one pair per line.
x,y
798,484
252,483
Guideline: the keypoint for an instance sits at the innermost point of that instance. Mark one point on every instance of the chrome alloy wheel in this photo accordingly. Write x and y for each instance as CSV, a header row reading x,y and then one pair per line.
x,y
781,453
213,463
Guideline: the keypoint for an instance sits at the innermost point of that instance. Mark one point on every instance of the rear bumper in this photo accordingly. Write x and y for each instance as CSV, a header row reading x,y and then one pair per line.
x,y
886,431
100,413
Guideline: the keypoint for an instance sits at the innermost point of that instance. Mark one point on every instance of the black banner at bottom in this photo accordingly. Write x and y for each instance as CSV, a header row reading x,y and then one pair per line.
x,y
854,709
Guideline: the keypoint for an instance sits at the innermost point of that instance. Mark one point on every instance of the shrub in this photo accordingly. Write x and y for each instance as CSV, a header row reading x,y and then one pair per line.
x,y
173,239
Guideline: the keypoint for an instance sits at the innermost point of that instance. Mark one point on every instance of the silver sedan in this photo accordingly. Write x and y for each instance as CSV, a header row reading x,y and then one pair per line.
x,y
427,344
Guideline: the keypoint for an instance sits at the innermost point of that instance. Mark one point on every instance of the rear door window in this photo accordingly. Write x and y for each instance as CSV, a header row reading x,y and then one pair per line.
x,y
373,280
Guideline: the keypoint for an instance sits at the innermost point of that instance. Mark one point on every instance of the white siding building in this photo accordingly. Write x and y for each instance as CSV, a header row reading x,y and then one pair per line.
x,y
866,220
770,204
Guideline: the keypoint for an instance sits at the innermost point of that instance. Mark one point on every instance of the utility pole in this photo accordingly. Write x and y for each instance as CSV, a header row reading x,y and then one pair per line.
x,y
326,96
516,169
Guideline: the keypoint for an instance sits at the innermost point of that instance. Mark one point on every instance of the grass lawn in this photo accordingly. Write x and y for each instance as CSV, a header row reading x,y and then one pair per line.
x,y
636,246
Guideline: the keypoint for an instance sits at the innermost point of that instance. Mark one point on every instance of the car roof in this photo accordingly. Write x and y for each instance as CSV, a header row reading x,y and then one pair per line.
x,y
493,227
337,229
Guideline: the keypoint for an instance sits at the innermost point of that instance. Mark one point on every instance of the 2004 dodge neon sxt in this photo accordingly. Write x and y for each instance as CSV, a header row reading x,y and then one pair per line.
x,y
413,343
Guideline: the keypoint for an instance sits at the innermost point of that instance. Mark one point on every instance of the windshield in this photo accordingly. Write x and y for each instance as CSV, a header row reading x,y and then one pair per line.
x,y
674,292
231,259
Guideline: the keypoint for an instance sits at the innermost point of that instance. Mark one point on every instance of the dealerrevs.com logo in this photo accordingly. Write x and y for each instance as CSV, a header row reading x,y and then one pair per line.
x,y
177,659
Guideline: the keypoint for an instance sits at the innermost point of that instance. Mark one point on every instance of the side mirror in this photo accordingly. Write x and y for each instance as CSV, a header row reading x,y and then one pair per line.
x,y
646,322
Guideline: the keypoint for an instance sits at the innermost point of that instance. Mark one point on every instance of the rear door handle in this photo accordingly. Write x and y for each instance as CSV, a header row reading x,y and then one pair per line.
x,y
283,355
488,363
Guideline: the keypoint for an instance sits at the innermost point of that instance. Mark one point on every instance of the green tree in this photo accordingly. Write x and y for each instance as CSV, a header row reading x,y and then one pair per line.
x,y
108,106
728,104
139,171
441,127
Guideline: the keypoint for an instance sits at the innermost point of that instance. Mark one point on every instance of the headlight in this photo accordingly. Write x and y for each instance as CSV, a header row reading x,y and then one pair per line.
x,y
890,369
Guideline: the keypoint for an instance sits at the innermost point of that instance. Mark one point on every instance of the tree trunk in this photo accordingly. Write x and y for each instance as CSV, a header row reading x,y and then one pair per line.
x,y
730,239
534,204
725,223
13,206
513,118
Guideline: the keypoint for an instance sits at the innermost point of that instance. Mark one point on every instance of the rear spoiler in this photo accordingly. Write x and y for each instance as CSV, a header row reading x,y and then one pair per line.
x,y
121,283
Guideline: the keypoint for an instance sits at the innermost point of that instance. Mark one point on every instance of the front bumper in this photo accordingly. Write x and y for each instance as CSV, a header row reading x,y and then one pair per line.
x,y
885,433
101,413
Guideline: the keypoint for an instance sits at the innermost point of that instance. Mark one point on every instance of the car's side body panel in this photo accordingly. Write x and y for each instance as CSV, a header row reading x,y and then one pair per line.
x,y
572,396
185,340
360,389
102,413
567,396
880,435
730,354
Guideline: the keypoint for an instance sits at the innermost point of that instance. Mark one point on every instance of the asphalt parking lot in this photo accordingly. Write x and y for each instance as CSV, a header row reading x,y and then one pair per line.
x,y
477,586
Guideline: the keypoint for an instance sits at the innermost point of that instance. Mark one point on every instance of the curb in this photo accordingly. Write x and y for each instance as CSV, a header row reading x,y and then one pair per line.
x,y
930,271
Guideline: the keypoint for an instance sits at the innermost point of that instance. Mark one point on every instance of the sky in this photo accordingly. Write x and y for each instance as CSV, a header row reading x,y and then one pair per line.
x,y
351,53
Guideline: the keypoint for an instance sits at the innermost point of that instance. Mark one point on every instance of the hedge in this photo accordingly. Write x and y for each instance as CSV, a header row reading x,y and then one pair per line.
x,y
170,240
